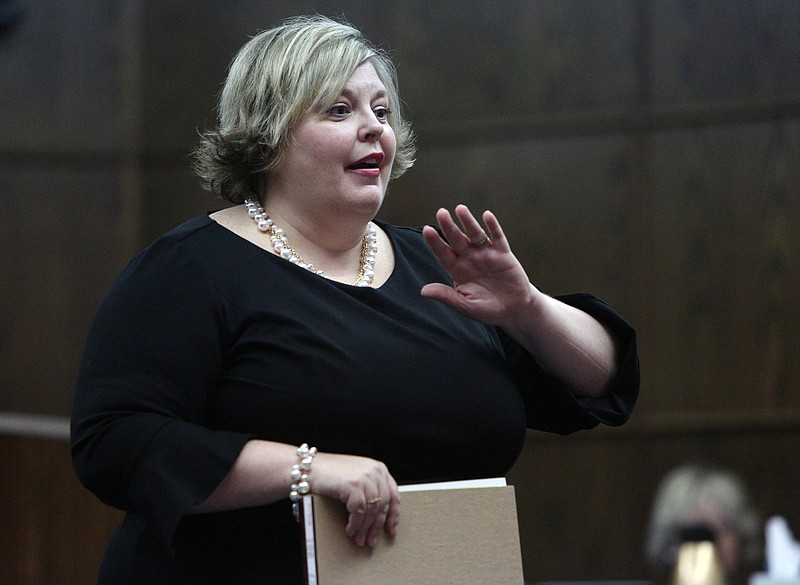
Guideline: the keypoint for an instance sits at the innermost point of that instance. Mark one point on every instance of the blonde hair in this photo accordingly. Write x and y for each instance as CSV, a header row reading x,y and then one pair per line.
x,y
685,493
277,78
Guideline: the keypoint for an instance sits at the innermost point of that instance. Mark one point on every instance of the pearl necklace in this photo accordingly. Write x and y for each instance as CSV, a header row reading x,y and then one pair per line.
x,y
369,245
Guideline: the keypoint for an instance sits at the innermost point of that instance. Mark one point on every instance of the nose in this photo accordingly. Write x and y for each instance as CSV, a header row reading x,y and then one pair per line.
x,y
371,129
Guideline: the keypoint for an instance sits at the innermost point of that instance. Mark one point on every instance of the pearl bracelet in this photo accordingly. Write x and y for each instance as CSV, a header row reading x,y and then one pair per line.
x,y
300,485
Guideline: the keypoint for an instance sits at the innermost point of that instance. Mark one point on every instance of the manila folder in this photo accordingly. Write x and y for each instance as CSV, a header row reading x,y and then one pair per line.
x,y
465,536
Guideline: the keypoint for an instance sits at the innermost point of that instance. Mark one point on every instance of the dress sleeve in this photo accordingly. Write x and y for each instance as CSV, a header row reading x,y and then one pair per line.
x,y
550,406
140,435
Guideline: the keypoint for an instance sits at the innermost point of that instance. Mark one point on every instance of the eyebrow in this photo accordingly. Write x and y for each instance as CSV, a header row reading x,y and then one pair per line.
x,y
378,93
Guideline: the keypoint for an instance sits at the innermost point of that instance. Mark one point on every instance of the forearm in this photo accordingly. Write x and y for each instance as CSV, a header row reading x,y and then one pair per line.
x,y
566,342
261,475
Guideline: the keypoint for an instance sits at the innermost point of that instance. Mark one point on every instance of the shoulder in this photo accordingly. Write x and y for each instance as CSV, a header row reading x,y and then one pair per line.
x,y
169,277
195,237
192,231
185,253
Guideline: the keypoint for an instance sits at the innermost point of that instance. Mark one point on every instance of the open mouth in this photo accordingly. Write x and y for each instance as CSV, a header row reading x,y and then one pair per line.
x,y
370,162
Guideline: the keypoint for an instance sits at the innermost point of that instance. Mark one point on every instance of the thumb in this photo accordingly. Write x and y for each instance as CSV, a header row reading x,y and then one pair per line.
x,y
444,294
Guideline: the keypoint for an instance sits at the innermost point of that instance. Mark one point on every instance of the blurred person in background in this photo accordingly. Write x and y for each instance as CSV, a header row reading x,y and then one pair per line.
x,y
702,496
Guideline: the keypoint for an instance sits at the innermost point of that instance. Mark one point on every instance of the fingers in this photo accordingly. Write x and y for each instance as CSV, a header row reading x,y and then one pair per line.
x,y
439,247
496,234
368,491
382,507
475,234
370,514
470,235
459,240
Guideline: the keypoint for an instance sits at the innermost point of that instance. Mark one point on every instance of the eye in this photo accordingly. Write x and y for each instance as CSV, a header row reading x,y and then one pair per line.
x,y
381,113
339,111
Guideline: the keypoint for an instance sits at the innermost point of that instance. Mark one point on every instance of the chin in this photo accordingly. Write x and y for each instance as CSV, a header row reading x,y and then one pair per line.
x,y
374,193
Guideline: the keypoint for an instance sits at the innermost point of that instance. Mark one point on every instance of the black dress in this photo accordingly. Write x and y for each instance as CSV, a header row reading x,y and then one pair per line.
x,y
206,341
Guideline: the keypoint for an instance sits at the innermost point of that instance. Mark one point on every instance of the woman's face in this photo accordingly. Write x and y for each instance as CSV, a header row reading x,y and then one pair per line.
x,y
340,161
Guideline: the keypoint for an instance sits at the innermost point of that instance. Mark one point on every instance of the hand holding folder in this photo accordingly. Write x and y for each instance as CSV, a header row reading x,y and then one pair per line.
x,y
452,533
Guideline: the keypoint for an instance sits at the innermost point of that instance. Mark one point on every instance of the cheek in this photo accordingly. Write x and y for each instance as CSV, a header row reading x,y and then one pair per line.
x,y
318,147
389,140
389,144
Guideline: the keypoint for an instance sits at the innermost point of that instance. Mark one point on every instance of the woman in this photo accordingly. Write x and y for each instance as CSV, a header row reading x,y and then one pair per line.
x,y
403,355
701,495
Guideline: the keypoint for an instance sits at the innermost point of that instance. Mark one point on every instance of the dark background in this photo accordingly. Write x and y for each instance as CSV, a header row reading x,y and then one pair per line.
x,y
647,151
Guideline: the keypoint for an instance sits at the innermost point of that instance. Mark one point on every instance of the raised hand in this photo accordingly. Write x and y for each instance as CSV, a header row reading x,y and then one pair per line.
x,y
489,283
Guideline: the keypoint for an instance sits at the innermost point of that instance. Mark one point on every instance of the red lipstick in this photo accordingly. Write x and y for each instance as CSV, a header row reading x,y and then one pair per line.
x,y
369,165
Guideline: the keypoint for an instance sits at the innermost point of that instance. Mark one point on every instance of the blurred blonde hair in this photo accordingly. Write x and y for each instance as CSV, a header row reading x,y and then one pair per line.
x,y
277,78
684,493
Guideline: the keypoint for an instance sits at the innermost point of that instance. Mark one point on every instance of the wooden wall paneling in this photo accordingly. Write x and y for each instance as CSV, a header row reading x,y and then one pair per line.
x,y
68,183
54,530
581,516
723,282
482,61
181,84
130,69
60,86
57,227
741,50
778,260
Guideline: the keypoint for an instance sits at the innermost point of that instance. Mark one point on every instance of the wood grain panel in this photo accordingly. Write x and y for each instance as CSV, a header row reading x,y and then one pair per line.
x,y
723,268
60,83
54,531
731,51
61,248
496,59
